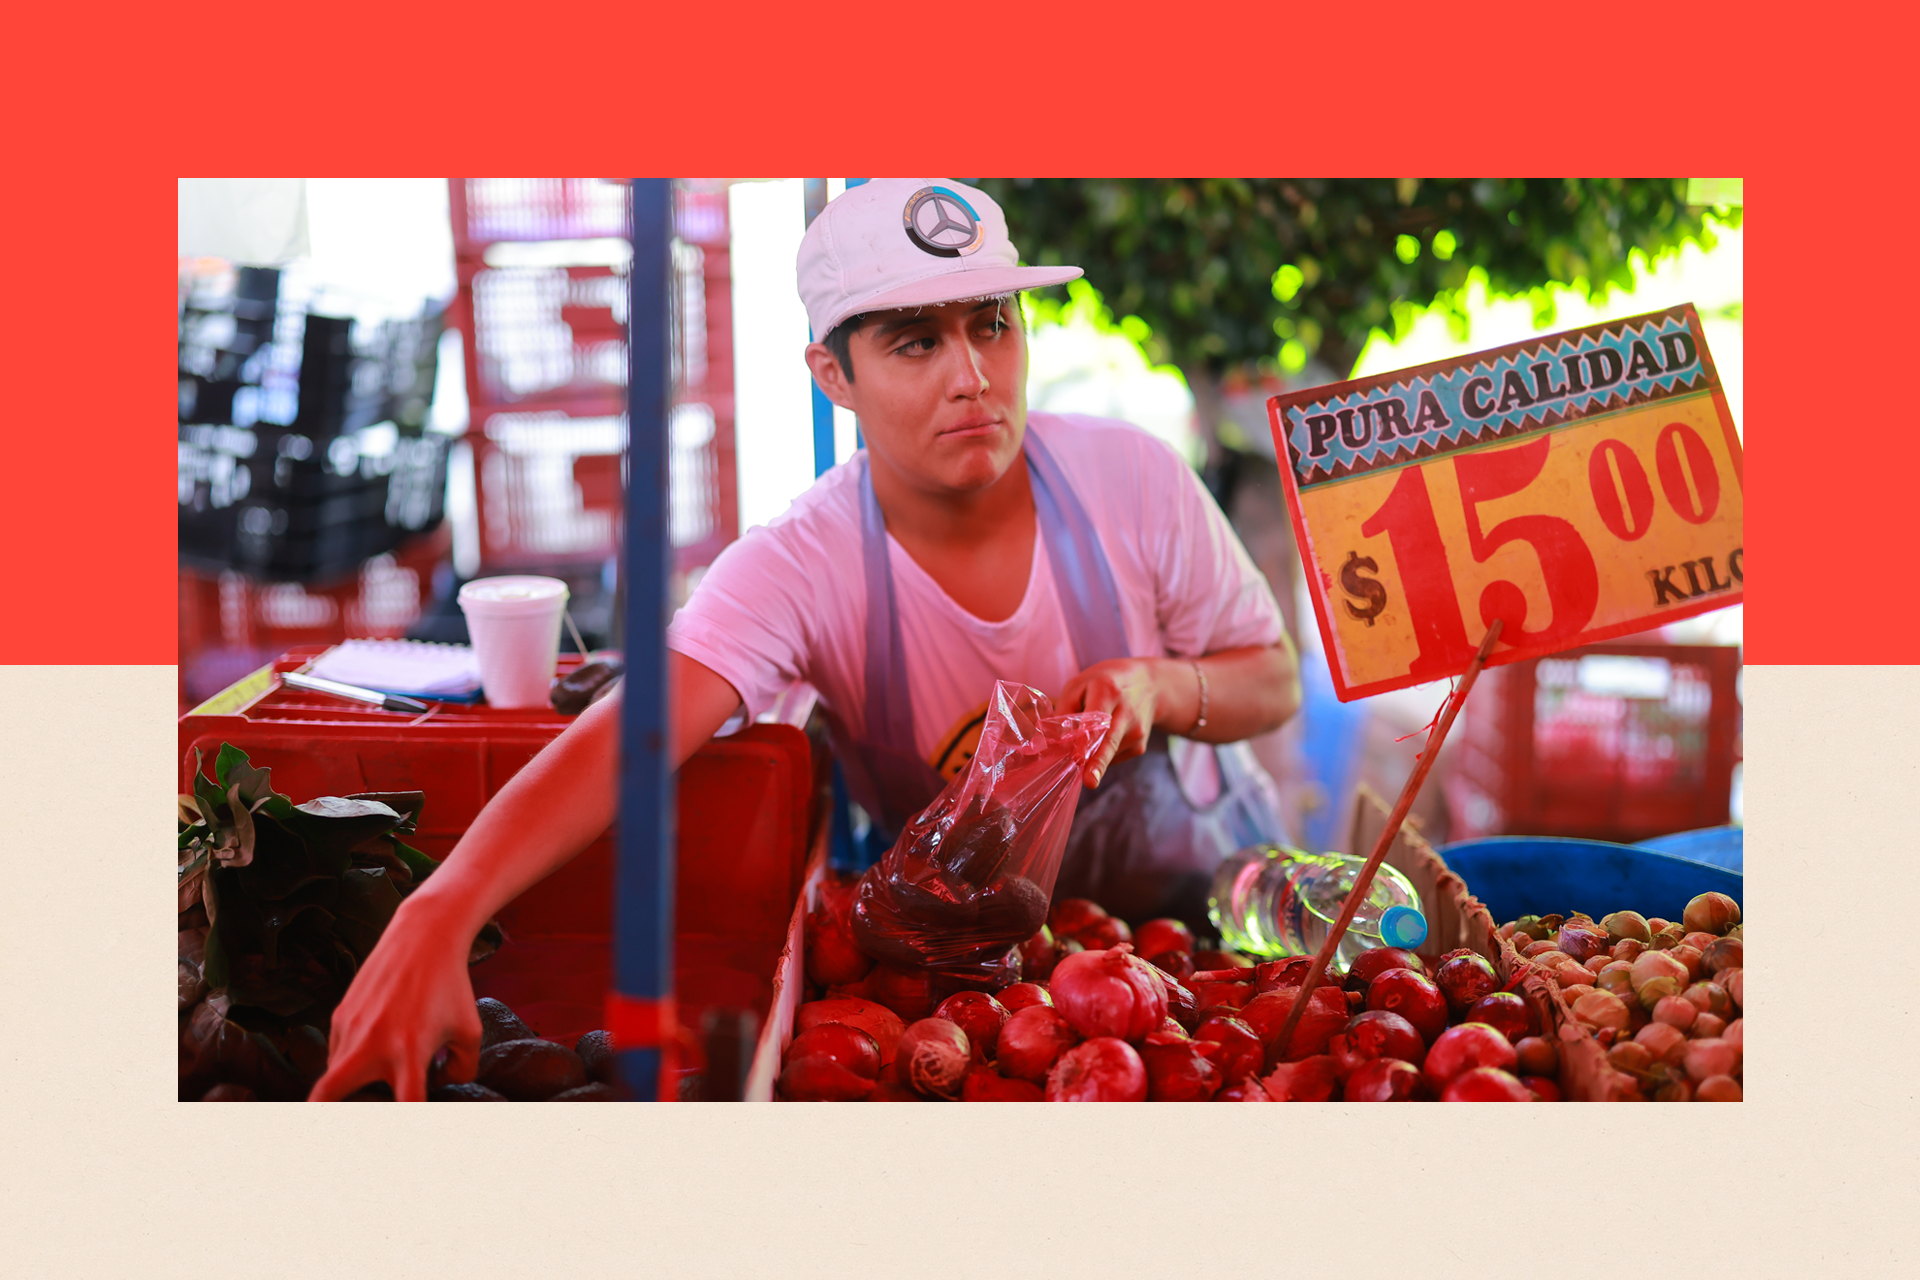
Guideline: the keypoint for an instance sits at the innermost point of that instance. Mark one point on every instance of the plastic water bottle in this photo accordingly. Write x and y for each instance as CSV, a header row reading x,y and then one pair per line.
x,y
1272,901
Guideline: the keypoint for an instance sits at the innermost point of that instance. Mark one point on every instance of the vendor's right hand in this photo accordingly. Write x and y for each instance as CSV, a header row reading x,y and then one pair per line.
x,y
410,999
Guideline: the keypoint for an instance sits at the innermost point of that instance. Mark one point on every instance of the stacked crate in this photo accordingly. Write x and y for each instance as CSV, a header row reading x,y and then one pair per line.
x,y
542,309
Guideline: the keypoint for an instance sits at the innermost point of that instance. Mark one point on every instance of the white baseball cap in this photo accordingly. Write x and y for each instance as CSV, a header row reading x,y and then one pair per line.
x,y
892,243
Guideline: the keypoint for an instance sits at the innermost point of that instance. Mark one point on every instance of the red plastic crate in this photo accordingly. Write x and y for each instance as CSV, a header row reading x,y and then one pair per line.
x,y
746,810
546,367
1541,753
231,625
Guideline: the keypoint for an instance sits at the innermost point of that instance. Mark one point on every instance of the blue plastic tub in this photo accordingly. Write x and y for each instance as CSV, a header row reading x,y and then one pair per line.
x,y
1538,875
1715,846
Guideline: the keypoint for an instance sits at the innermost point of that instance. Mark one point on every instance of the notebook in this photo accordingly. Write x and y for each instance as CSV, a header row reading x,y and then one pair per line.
x,y
412,668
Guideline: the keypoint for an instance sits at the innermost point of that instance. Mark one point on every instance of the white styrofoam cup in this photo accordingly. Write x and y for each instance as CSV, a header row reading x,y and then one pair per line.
x,y
514,623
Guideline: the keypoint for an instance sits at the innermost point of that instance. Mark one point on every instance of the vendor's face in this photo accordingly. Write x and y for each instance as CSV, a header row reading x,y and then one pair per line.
x,y
941,392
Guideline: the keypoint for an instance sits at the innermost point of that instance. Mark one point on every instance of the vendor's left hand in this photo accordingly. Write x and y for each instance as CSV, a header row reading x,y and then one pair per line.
x,y
1126,688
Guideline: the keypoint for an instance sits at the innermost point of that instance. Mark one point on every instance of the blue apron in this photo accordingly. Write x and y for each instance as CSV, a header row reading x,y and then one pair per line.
x,y
1138,845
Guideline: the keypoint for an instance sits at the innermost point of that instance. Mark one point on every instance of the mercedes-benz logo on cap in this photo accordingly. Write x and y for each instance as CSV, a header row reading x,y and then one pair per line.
x,y
939,222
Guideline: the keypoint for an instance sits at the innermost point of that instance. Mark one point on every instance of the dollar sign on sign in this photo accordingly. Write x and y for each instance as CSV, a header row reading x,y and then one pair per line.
x,y
1362,588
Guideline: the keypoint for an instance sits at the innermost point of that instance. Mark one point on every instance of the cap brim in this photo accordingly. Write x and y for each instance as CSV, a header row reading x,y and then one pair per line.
x,y
955,286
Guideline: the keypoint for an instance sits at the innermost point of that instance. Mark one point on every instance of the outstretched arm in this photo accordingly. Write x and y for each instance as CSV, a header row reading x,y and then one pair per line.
x,y
412,996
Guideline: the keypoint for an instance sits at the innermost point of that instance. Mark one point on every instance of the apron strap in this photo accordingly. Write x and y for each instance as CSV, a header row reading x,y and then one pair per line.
x,y
1081,573
889,712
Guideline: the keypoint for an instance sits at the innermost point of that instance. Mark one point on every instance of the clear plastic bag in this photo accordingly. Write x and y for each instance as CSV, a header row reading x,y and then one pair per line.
x,y
972,874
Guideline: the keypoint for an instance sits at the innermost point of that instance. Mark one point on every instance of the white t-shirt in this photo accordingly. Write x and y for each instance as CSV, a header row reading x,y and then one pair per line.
x,y
788,601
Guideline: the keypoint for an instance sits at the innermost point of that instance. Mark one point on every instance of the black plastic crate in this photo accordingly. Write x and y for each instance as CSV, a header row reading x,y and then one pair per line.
x,y
273,504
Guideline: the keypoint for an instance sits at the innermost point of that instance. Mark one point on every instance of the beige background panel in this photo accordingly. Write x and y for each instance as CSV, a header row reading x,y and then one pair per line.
x,y
105,1175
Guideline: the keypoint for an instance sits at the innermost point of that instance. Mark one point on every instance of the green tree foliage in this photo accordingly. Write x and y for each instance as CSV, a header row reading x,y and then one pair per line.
x,y
1254,273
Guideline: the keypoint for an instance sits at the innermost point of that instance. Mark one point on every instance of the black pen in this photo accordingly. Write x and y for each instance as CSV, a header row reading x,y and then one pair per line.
x,y
390,701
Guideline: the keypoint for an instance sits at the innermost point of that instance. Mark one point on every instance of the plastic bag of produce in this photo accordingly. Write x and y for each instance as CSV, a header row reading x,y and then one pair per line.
x,y
971,875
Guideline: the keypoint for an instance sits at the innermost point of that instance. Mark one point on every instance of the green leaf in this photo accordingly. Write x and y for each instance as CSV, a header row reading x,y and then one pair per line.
x,y
366,903
283,861
419,863
407,804
332,825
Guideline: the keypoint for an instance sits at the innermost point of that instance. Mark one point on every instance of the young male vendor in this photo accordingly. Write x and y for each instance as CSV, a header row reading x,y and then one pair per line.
x,y
968,542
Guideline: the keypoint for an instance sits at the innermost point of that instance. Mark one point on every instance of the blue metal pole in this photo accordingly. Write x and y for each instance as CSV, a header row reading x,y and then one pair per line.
x,y
814,191
643,886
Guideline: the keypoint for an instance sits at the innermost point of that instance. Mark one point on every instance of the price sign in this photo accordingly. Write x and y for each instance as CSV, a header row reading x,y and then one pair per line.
x,y
1580,486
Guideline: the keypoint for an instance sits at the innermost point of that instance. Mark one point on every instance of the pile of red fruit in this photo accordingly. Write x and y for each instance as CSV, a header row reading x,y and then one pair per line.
x,y
1086,1019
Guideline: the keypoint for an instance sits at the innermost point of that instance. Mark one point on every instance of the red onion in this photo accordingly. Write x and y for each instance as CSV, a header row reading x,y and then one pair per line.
x,y
849,1046
832,959
1070,915
1486,1084
1104,1069
1379,1033
1022,994
1374,961
934,1056
1220,960
1697,940
1657,964
1157,936
1714,1057
1038,954
821,1079
1537,1056
1675,1012
878,1021
1656,924
1690,957
1602,1009
1175,964
1221,997
1413,996
1713,913
1182,1006
1177,1070
984,1085
1326,1016
1314,1079
1708,997
1032,1041
1542,1089
1109,993
1233,1046
1107,931
1506,1012
1249,1090
1736,985
1463,1048
1464,979
1666,1043
1172,1028
1718,1089
908,994
1630,1056
1627,926
1735,1034
1628,949
979,1015
1276,975
1582,942
1385,1080
1708,1026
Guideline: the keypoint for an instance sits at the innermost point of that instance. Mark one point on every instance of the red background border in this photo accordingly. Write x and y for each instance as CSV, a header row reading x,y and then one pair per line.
x,y
106,109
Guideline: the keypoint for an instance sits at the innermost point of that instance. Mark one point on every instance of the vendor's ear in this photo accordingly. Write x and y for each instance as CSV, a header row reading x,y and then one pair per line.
x,y
832,379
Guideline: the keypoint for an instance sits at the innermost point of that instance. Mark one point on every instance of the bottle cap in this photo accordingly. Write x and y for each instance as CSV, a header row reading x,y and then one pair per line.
x,y
1403,927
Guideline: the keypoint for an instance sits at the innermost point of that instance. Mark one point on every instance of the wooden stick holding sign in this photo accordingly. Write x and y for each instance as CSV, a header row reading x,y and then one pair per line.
x,y
1364,881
